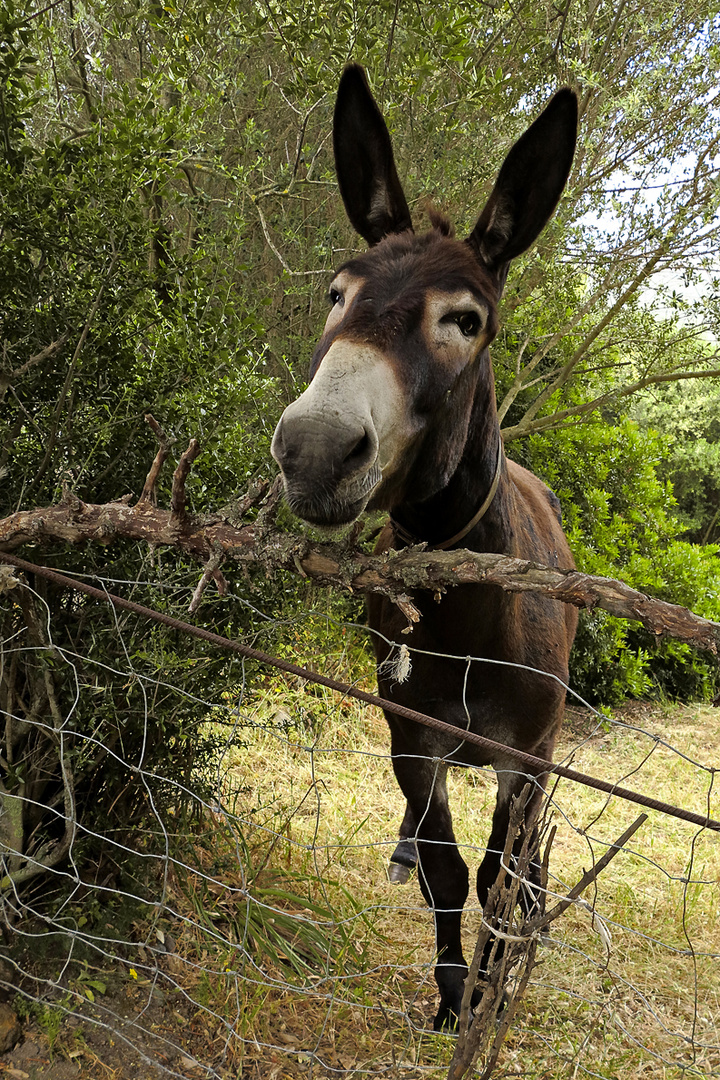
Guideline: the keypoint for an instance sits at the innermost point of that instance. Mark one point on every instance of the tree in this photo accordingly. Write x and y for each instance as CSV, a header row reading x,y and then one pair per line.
x,y
104,315
227,169
168,216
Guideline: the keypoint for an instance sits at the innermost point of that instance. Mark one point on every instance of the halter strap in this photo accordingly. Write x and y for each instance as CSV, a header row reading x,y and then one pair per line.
x,y
408,538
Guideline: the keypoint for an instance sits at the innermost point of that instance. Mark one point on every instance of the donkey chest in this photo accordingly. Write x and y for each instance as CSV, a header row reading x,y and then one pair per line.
x,y
480,622
479,660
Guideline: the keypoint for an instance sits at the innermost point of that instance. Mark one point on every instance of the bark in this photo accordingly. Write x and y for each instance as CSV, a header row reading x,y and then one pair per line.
x,y
214,539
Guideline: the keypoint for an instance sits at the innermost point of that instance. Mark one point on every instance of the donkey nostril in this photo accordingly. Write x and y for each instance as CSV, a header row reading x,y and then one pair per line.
x,y
360,450
359,456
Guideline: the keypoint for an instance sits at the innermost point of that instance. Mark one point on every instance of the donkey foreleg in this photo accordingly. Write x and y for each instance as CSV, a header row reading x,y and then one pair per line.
x,y
442,875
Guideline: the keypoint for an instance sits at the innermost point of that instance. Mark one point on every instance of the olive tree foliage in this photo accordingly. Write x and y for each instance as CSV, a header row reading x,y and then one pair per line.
x,y
590,317
178,158
113,303
689,415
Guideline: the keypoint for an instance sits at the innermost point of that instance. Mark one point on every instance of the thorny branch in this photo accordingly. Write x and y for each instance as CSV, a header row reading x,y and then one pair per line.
x,y
226,536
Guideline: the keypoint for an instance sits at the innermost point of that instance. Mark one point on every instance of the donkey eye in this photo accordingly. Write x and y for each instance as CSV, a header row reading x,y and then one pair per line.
x,y
335,297
468,322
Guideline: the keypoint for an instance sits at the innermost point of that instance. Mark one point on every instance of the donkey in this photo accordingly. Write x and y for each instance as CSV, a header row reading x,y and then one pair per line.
x,y
400,415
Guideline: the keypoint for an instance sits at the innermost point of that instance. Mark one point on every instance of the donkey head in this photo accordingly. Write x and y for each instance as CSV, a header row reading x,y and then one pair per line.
x,y
404,351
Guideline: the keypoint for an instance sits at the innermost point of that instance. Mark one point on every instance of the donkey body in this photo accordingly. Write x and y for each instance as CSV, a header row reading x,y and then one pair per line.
x,y
400,414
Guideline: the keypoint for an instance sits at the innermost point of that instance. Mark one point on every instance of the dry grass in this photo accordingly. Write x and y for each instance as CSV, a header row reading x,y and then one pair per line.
x,y
292,956
319,799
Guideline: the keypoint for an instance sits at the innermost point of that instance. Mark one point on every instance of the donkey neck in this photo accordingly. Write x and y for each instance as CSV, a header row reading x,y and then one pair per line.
x,y
445,514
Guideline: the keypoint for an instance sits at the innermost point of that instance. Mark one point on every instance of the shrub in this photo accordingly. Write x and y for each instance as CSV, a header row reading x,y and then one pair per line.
x,y
620,520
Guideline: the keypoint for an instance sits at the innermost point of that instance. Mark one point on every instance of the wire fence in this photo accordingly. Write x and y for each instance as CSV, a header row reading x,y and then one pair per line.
x,y
256,933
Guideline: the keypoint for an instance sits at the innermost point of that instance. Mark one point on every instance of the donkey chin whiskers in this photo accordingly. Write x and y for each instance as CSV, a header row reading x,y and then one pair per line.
x,y
324,511
330,507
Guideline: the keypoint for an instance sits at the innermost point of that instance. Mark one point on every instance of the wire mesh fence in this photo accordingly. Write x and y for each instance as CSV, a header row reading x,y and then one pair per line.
x,y
244,924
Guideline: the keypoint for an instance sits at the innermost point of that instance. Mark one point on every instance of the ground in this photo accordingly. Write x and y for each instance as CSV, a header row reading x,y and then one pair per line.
x,y
322,968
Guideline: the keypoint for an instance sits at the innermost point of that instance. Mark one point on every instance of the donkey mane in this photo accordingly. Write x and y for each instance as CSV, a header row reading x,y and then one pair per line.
x,y
439,220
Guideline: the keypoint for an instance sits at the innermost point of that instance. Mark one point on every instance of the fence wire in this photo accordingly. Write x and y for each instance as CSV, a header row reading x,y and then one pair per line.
x,y
255,934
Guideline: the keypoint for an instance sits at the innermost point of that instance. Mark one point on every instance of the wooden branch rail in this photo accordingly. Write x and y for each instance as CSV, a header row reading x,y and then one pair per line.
x,y
212,539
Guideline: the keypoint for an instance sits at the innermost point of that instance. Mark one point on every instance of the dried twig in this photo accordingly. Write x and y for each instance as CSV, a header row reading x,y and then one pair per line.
x,y
277,253
409,610
271,505
49,350
70,374
211,573
588,877
235,511
178,511
149,491
514,946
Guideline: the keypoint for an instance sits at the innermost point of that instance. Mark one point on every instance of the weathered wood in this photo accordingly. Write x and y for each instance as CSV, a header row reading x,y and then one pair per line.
x,y
393,574
487,1028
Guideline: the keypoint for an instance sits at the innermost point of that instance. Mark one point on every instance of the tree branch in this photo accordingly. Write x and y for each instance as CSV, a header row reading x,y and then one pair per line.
x,y
276,252
558,419
394,574
49,350
72,366
178,502
572,363
149,493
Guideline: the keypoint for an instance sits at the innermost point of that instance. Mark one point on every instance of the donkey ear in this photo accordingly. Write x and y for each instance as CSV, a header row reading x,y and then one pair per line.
x,y
364,163
527,190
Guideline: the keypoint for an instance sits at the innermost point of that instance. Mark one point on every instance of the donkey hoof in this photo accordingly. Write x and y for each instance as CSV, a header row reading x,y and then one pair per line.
x,y
402,862
398,874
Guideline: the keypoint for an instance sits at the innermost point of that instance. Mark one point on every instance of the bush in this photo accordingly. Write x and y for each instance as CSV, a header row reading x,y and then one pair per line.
x,y
620,520
103,318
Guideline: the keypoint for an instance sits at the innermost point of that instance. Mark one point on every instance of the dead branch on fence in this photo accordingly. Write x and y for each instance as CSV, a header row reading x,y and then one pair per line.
x,y
396,574
505,953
